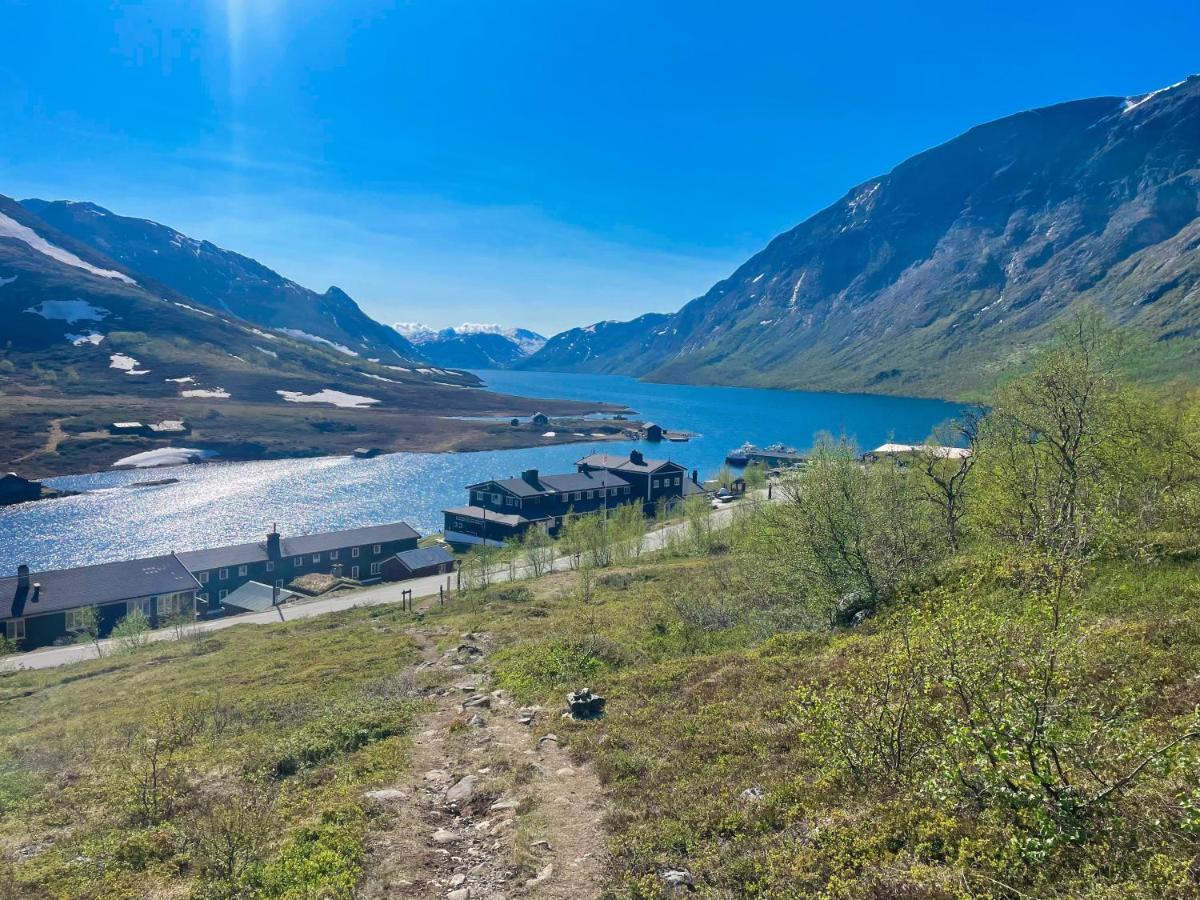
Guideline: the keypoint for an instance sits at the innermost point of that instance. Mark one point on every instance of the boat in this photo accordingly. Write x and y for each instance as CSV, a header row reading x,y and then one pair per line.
x,y
741,456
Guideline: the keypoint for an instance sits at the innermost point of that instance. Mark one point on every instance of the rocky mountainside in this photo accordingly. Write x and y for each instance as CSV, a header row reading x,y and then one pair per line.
x,y
471,345
937,276
225,281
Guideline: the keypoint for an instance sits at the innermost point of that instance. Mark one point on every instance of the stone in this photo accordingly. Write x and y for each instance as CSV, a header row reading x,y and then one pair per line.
x,y
476,871
585,705
470,682
458,880
478,700
388,795
565,772
540,846
444,836
550,738
677,881
460,894
477,721
752,794
462,790
501,805
542,876
525,719
503,825
438,775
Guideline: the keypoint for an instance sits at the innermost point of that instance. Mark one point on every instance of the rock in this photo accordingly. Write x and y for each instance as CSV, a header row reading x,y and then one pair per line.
x,y
457,880
550,738
463,790
503,825
542,876
540,846
438,775
501,805
444,836
477,721
476,701
752,794
677,881
470,682
478,870
565,772
525,719
585,705
460,894
388,795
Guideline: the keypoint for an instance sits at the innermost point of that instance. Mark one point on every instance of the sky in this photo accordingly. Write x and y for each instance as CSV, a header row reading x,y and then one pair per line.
x,y
536,164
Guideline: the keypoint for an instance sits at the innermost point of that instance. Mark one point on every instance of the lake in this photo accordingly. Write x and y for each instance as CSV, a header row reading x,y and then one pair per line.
x,y
225,503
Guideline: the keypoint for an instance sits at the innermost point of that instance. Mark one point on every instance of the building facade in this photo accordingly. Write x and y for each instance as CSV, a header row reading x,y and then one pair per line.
x,y
358,553
42,608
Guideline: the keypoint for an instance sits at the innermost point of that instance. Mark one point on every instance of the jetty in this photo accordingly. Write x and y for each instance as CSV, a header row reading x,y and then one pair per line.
x,y
775,456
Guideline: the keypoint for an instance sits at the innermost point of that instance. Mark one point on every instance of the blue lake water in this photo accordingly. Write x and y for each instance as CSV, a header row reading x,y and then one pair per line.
x,y
222,503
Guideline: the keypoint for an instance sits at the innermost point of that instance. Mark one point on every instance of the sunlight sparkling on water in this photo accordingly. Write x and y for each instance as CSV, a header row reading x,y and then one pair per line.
x,y
222,503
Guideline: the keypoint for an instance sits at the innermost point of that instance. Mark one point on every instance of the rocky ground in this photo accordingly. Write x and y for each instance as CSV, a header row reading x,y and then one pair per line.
x,y
493,808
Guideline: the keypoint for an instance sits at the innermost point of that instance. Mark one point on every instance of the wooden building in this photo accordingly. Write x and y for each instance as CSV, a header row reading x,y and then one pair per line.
x,y
504,509
41,608
359,552
418,563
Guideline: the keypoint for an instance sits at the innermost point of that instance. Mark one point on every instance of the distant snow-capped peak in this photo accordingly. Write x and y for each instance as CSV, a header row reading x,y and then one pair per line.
x,y
418,333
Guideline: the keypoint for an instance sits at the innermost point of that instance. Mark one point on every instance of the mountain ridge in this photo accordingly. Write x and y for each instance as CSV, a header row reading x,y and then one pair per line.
x,y
937,276
225,280
472,345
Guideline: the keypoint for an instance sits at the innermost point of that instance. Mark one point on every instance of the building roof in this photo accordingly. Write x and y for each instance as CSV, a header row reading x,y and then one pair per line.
x,y
254,596
891,449
629,463
111,582
478,512
690,487
537,485
242,554
423,557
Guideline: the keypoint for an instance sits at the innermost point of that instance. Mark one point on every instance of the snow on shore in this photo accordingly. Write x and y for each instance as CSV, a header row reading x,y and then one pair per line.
x,y
92,337
163,456
208,393
335,398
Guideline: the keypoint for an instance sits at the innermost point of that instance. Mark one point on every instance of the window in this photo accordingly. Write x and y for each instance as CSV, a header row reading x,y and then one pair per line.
x,y
204,599
626,489
354,552
678,480
203,577
146,606
15,629
223,574
375,568
576,495
656,482
241,571
224,594
298,561
316,557
76,619
270,566
333,554
496,499
354,572
378,548
279,583
174,604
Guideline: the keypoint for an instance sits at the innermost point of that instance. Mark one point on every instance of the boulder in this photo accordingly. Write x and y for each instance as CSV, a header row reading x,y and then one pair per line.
x,y
463,790
585,705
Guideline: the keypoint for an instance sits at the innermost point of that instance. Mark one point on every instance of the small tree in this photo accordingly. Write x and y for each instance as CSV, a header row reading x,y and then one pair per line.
x,y
132,632
87,628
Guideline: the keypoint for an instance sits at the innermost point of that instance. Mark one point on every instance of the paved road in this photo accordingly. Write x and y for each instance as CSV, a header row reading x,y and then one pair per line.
x,y
376,595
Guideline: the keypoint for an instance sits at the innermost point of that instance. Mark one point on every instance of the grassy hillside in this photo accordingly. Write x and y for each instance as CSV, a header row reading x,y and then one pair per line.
x,y
948,678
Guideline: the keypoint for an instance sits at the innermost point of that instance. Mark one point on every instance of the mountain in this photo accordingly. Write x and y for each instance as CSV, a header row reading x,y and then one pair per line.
x,y
225,281
472,345
88,341
937,276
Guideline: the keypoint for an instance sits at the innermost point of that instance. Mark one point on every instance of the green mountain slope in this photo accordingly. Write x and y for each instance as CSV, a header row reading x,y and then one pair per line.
x,y
933,278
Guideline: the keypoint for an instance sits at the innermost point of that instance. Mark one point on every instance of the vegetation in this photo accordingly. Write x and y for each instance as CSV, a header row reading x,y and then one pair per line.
x,y
942,677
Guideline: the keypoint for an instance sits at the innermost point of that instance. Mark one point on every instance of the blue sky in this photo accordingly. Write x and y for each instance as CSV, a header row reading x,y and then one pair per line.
x,y
543,164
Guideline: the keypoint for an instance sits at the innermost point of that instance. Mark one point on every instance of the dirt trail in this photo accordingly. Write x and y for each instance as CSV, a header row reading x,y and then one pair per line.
x,y
54,437
487,811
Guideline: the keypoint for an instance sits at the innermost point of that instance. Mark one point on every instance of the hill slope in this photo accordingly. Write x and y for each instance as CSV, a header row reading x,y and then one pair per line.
x,y
934,277
89,341
226,281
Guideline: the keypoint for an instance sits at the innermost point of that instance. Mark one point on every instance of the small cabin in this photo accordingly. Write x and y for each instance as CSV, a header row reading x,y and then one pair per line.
x,y
126,428
418,563
652,432
539,419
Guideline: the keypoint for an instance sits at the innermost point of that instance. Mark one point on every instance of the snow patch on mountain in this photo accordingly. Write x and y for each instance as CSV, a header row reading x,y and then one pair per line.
x,y
527,341
316,339
69,311
11,228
